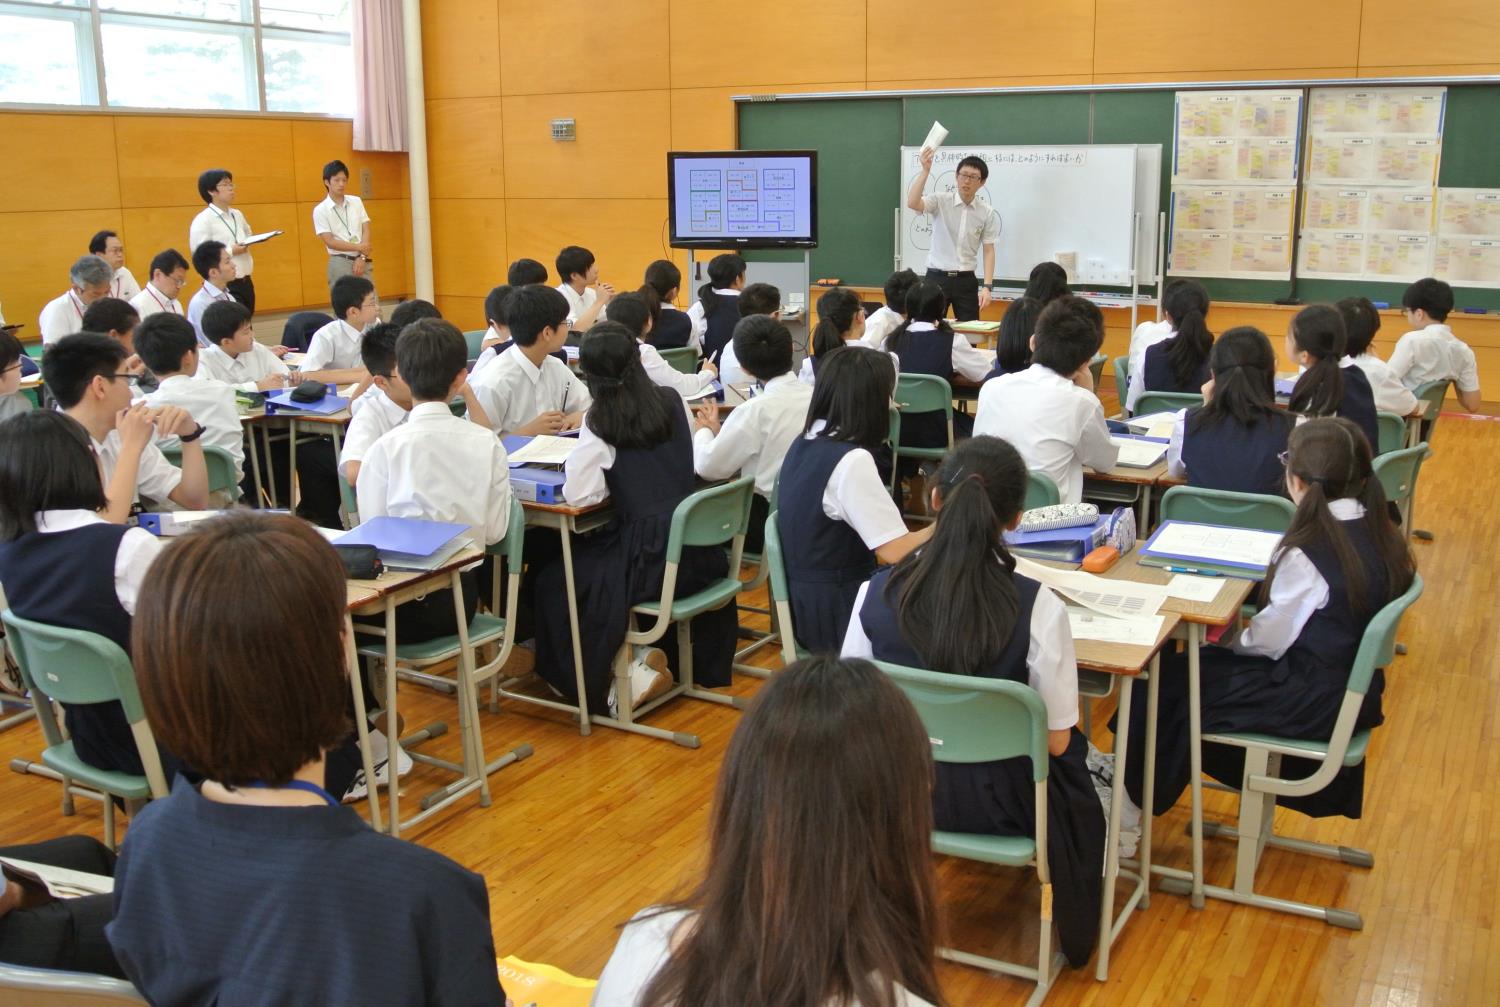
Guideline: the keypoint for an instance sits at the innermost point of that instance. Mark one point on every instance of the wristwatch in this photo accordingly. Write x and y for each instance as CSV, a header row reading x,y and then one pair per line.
x,y
189,438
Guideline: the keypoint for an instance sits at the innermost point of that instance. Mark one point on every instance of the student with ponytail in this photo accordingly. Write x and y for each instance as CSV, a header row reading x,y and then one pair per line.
x,y
1048,281
634,312
841,322
1013,348
716,313
673,328
1330,385
926,344
1178,363
1340,562
1235,439
957,606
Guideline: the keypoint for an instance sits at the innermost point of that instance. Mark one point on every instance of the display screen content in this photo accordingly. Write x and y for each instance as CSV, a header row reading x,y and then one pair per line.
x,y
754,199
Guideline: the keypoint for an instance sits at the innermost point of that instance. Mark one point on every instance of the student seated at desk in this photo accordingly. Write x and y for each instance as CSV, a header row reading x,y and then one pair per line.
x,y
819,888
1330,384
413,309
1048,281
212,261
755,299
926,344
586,295
169,347
1361,322
497,327
841,322
234,356
527,390
636,449
85,374
1340,562
255,885
755,438
524,272
715,314
117,320
1432,352
835,514
64,564
956,605
1013,342
89,279
882,323
1175,360
333,352
672,329
1234,441
12,401
1049,411
632,311
383,408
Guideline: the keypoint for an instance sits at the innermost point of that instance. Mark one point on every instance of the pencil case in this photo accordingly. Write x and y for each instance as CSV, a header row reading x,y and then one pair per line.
x,y
1058,516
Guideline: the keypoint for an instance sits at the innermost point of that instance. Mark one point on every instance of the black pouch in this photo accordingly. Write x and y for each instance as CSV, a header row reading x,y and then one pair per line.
x,y
361,562
309,391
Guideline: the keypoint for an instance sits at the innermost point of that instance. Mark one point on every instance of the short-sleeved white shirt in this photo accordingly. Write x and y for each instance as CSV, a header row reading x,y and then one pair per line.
x,y
958,230
123,286
231,228
151,301
62,316
333,347
1057,427
156,478
343,222
1434,354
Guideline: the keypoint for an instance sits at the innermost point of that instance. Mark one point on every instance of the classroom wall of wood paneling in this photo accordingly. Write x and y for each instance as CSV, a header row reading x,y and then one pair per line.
x,y
66,175
642,77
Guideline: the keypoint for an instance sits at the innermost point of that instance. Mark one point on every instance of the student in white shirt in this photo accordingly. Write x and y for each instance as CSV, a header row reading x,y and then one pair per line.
x,y
112,317
108,246
841,322
497,328
342,224
213,262
168,345
714,314
1361,322
1187,340
168,274
755,438
527,390
384,407
632,311
220,221
755,299
1049,411
84,373
580,285
333,351
793,814
413,309
883,322
958,362
1432,352
233,355
12,402
90,278
525,272
437,467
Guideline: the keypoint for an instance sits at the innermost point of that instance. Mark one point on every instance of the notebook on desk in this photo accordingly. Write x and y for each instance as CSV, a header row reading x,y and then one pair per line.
x,y
406,543
1188,547
1138,452
542,449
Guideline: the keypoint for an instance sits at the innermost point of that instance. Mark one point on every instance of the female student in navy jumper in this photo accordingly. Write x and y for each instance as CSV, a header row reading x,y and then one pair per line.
x,y
257,887
1178,363
1340,562
672,328
1048,281
956,605
1013,347
1235,439
926,344
841,320
834,511
636,448
717,311
1315,340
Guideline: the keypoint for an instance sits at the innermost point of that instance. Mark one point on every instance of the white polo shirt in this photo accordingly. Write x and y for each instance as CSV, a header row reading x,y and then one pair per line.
x,y
1057,427
377,416
151,301
335,346
755,436
156,478
664,374
231,228
514,391
879,326
343,222
958,230
62,316
123,285
578,303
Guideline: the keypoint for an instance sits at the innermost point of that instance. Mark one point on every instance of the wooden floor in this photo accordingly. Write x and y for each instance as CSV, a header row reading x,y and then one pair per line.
x,y
588,830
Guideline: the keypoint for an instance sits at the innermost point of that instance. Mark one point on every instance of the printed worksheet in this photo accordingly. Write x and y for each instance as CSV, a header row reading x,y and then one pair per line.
x,y
1397,257
1214,544
1334,255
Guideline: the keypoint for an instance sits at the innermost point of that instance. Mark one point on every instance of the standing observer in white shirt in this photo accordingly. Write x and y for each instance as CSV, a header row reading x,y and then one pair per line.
x,y
108,246
963,224
342,224
220,221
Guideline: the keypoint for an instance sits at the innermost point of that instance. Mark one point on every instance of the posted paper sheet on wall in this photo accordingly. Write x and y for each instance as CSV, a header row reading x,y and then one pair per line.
x,y
1467,251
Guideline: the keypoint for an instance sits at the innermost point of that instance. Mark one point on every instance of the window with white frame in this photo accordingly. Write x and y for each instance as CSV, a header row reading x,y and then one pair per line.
x,y
235,55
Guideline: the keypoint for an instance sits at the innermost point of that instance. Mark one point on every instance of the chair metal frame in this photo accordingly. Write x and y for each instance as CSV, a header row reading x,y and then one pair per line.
x,y
1398,472
1122,381
780,593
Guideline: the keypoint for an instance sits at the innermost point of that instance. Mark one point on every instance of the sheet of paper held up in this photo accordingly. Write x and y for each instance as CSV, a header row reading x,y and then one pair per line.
x,y
1121,598
1190,588
1216,544
544,449
1135,631
935,136
1138,454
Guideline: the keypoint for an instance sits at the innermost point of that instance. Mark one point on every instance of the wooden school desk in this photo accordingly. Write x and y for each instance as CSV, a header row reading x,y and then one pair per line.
x,y
256,419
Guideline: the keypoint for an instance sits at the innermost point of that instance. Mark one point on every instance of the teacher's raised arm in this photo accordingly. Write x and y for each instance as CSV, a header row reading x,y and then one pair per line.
x,y
964,225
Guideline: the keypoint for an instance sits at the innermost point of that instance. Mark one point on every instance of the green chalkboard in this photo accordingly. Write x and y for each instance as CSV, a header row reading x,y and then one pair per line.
x,y
1000,119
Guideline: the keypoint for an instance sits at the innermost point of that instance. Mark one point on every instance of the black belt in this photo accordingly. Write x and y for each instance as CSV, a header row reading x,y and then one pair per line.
x,y
951,272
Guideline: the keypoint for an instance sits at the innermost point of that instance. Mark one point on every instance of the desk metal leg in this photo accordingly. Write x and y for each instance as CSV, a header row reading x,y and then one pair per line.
x,y
1195,733
1145,511
255,465
1148,767
468,723
265,437
1109,926
565,530
362,725
291,478
392,732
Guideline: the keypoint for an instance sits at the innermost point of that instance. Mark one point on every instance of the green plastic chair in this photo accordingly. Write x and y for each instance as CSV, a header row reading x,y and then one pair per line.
x,y
972,720
76,666
1096,368
1041,491
781,596
1392,432
1397,472
220,465
1258,511
715,516
486,628
1165,402
1262,784
24,986
348,501
1431,396
681,358
917,394
475,339
1122,381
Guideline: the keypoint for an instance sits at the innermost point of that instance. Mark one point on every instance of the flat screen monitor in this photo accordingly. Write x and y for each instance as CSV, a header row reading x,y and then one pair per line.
x,y
743,198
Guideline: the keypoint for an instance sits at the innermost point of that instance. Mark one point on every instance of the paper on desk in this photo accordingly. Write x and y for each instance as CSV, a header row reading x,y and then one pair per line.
x,y
1138,454
1215,544
1135,631
1154,424
1123,598
935,136
544,449
1190,588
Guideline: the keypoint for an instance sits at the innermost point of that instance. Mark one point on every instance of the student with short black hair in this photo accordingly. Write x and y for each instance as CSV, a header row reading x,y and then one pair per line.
x,y
12,402
1361,322
384,407
580,285
755,299
85,375
497,329
117,320
965,227
1013,342
341,223
883,322
635,448
715,314
1328,386
755,437
89,280
1049,411
673,328
1431,352
212,261
234,356
220,221
525,272
1177,360
1235,439
108,246
333,351
527,390
836,517
413,309
168,345
631,311
257,871
1048,281
168,274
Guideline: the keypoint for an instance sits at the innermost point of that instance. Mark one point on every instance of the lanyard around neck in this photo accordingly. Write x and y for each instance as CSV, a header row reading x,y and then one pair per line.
x,y
229,223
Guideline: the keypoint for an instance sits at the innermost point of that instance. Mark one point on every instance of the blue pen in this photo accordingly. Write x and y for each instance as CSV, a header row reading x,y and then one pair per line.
x,y
1192,569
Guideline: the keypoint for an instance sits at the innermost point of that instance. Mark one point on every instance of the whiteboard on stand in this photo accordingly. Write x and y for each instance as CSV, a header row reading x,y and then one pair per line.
x,y
1078,199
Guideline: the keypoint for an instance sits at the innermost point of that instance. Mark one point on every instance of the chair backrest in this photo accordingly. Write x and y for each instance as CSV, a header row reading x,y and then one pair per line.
x,y
1398,470
1096,367
475,339
1041,491
351,502
1165,402
73,665
1392,432
971,719
298,331
29,987
712,516
220,465
1377,648
1259,511
925,393
681,358
1431,395
775,560
510,549
1122,381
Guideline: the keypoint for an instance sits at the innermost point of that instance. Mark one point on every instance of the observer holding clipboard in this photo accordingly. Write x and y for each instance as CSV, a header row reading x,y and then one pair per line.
x,y
963,225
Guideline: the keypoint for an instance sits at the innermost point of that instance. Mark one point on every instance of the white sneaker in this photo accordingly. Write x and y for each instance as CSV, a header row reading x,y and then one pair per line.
x,y
380,757
1101,766
649,678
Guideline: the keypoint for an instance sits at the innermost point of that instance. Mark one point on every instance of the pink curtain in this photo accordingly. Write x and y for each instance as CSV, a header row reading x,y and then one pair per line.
x,y
379,76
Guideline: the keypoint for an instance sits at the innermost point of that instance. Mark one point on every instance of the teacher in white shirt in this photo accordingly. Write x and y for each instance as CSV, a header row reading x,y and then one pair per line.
x,y
344,226
962,225
220,221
